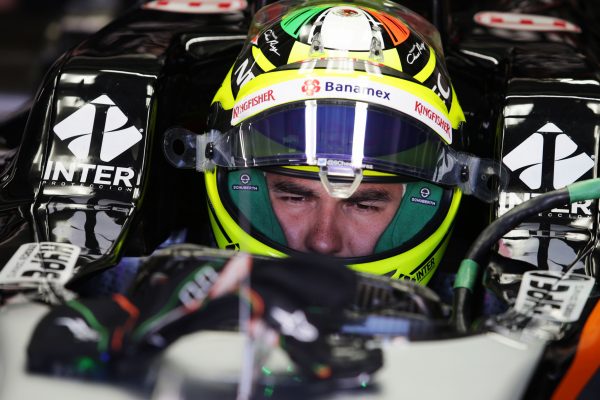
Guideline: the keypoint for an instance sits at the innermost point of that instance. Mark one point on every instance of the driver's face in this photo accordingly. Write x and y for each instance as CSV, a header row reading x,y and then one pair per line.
x,y
313,221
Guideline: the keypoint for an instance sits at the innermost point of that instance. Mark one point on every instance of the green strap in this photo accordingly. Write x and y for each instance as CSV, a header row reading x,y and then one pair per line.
x,y
584,190
467,274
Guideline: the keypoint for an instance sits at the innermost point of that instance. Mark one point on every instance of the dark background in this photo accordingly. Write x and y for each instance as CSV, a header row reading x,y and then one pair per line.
x,y
34,33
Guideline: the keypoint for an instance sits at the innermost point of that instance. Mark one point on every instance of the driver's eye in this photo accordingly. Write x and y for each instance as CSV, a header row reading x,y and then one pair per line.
x,y
293,199
364,206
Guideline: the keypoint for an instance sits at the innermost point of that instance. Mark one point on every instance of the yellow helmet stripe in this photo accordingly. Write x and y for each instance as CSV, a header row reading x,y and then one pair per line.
x,y
456,113
262,61
391,58
314,169
427,70
224,95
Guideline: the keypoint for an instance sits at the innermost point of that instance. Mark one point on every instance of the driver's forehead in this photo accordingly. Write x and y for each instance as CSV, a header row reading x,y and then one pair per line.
x,y
292,183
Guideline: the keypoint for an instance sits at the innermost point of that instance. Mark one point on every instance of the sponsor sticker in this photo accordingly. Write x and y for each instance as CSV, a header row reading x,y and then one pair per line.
x,y
425,192
343,88
196,7
581,209
96,135
524,22
553,295
35,263
245,184
566,162
419,273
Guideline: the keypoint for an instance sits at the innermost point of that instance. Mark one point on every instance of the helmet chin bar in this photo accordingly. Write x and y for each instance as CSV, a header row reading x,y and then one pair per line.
x,y
344,189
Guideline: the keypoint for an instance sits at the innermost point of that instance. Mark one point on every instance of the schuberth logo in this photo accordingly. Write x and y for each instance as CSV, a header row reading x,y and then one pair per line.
x,y
531,159
311,87
245,180
98,130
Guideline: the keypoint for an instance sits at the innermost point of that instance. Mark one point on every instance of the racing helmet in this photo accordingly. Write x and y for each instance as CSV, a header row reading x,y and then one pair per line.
x,y
346,93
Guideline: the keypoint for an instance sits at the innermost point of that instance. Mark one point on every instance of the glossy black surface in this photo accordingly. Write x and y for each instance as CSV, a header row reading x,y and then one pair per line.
x,y
160,69
72,183
541,89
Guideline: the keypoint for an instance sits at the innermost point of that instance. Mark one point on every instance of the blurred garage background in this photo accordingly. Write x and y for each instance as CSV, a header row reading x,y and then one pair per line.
x,y
34,33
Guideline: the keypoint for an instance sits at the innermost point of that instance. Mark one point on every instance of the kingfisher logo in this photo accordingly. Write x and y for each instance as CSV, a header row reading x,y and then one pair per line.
x,y
427,112
311,87
98,130
548,158
252,102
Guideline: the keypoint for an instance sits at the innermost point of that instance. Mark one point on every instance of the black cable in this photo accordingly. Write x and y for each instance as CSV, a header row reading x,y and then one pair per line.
x,y
479,250
489,237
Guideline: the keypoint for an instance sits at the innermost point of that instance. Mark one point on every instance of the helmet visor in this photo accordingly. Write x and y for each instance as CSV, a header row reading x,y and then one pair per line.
x,y
339,133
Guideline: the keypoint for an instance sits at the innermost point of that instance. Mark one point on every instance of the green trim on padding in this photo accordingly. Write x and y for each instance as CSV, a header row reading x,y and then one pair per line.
x,y
251,197
419,204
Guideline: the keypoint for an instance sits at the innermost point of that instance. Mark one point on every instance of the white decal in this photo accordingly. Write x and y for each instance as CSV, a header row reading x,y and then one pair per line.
x,y
530,155
343,88
79,329
242,76
553,296
116,138
99,117
295,325
197,7
196,290
524,22
580,209
35,263
439,88
415,52
271,39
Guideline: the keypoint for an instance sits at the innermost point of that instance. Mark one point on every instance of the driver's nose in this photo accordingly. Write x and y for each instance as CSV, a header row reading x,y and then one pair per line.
x,y
325,234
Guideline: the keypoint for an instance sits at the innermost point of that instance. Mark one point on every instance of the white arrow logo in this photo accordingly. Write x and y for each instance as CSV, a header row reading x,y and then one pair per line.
x,y
530,156
80,126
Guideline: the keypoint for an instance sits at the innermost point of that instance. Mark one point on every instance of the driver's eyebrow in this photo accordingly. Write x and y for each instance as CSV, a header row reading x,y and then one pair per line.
x,y
293,188
369,195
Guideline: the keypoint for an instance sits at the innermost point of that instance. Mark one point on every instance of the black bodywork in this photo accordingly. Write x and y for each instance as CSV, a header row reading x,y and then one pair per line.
x,y
161,69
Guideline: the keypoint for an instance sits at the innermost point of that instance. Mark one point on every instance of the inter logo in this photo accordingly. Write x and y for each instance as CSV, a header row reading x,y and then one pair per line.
x,y
98,131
